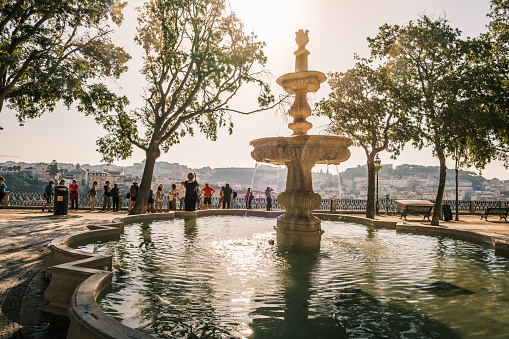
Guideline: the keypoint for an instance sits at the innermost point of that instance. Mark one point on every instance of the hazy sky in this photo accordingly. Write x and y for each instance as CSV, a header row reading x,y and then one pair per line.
x,y
337,30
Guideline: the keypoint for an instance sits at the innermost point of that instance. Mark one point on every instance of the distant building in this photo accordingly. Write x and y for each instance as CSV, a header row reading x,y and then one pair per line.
x,y
99,176
79,174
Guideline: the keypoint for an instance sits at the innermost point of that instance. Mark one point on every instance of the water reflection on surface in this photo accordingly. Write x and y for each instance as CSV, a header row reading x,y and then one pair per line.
x,y
217,275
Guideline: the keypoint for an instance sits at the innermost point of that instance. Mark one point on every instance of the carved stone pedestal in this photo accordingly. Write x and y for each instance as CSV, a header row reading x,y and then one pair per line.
x,y
300,152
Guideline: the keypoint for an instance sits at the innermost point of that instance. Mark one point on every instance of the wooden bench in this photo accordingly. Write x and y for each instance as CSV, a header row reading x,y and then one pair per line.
x,y
417,210
501,212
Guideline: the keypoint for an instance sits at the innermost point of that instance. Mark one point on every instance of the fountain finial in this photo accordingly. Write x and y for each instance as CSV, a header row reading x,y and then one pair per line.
x,y
301,38
301,54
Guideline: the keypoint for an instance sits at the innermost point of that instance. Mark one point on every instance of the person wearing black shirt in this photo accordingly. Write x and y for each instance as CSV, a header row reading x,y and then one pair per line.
x,y
191,193
227,196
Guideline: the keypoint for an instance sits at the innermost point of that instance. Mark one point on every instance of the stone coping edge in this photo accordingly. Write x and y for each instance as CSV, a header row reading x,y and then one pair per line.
x,y
77,278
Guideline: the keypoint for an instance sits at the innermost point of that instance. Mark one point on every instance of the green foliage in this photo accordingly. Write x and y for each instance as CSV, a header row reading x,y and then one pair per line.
x,y
446,85
53,168
196,58
424,60
432,81
359,108
50,49
16,183
489,62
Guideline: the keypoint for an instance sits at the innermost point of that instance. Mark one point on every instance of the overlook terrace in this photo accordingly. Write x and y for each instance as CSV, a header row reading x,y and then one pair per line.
x,y
401,182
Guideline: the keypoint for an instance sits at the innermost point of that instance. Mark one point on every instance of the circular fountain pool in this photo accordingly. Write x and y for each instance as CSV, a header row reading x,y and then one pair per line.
x,y
220,274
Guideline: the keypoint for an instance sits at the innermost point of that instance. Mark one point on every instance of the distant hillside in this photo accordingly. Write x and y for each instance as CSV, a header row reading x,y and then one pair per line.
x,y
406,170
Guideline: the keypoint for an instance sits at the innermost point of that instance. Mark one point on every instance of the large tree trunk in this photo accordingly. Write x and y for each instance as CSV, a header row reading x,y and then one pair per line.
x,y
435,221
140,206
370,206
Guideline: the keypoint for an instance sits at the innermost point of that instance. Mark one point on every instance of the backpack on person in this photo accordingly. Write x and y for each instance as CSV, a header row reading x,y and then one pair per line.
x,y
133,191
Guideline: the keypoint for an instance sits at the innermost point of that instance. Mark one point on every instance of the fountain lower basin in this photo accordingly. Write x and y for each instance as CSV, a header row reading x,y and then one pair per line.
x,y
298,227
218,272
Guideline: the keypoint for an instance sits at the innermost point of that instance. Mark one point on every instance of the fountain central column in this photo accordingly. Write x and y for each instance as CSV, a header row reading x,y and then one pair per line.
x,y
297,227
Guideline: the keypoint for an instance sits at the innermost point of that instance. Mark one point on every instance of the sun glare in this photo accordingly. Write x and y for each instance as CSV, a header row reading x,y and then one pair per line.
x,y
265,17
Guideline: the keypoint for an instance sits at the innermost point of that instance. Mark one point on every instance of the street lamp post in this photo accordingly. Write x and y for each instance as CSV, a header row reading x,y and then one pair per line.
x,y
378,167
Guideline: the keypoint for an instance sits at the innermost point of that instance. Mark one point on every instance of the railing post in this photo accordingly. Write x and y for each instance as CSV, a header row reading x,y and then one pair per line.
x,y
472,206
5,200
502,204
333,205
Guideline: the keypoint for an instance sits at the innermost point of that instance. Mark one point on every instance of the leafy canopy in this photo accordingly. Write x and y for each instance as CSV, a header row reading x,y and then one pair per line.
x,y
359,108
196,58
51,49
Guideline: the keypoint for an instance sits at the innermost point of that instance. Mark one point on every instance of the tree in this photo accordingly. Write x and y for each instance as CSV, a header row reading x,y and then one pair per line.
x,y
53,168
358,108
428,67
50,49
196,58
489,61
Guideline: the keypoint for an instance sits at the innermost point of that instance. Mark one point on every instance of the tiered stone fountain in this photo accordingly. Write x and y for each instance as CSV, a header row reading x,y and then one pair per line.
x,y
300,152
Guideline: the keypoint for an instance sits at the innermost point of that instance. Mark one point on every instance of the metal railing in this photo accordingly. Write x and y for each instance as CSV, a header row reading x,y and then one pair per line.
x,y
26,199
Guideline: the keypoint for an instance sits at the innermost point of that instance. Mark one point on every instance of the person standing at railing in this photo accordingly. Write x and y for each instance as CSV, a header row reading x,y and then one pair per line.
x,y
172,198
182,195
207,193
159,198
192,192
227,196
3,188
133,195
92,194
268,197
249,198
73,189
106,197
48,194
115,195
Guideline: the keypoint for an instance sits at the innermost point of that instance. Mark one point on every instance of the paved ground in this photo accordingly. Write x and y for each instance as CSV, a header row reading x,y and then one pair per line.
x,y
466,222
24,238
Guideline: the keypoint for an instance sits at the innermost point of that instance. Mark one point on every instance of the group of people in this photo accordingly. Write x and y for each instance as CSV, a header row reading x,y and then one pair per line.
x,y
110,194
187,194
190,193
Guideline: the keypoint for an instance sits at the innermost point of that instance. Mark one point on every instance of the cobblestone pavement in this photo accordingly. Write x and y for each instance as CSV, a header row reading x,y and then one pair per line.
x,y
24,239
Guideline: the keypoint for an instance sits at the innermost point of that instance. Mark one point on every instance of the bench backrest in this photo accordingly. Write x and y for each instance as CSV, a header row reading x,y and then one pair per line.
x,y
497,210
418,208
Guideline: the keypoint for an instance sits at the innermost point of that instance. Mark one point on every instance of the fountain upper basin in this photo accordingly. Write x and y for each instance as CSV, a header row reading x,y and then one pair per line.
x,y
303,80
321,149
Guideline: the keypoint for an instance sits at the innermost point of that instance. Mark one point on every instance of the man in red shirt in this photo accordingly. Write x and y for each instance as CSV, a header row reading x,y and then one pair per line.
x,y
207,192
73,188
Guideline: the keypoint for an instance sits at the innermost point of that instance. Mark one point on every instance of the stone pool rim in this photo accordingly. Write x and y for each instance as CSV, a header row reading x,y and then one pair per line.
x,y
77,278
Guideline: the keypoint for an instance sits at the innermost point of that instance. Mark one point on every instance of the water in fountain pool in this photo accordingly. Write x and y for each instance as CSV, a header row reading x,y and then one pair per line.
x,y
218,275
